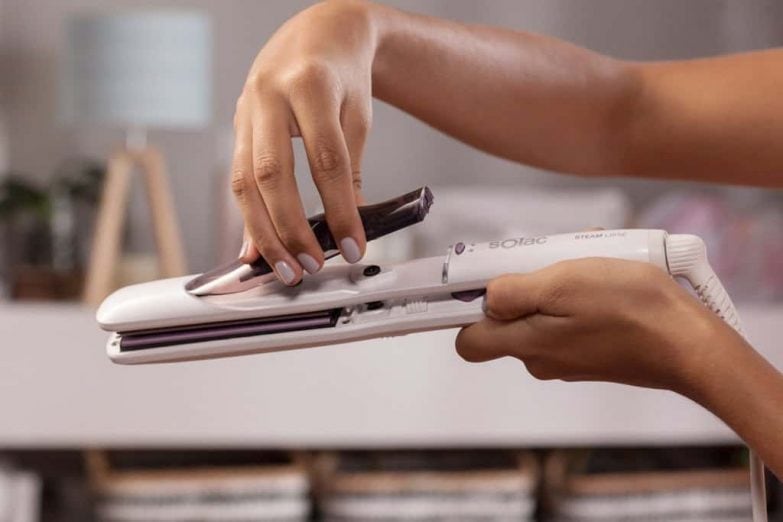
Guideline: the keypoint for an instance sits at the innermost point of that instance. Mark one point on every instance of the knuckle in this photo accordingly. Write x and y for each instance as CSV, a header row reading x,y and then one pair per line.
x,y
557,292
266,170
242,105
255,84
499,292
327,164
494,292
356,180
562,282
311,73
239,184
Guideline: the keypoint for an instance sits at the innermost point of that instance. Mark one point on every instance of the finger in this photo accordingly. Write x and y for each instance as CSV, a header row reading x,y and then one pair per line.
x,y
490,339
356,120
318,120
273,172
513,296
240,187
259,226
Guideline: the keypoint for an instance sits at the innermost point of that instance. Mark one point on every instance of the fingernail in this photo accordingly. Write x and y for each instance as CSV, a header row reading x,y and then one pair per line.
x,y
350,249
308,262
243,250
285,272
484,304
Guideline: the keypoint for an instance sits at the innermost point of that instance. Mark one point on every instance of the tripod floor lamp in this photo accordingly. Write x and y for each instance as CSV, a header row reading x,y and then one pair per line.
x,y
136,70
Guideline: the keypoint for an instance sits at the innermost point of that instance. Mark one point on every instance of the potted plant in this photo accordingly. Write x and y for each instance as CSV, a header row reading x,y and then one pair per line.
x,y
43,240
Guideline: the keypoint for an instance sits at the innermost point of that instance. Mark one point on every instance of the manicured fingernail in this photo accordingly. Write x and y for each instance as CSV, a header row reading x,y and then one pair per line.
x,y
285,272
350,249
243,250
308,262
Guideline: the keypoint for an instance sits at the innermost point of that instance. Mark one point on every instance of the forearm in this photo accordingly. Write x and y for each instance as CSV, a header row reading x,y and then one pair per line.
x,y
550,104
528,98
714,119
738,385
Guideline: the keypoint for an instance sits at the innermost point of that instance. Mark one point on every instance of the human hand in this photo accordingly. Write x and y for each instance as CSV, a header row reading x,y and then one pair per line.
x,y
312,79
597,319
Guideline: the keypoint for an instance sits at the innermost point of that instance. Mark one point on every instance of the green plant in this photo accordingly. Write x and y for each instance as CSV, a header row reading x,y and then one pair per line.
x,y
79,179
18,196
39,220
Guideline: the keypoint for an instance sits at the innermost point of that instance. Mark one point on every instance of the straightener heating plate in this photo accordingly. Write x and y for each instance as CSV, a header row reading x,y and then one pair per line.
x,y
162,337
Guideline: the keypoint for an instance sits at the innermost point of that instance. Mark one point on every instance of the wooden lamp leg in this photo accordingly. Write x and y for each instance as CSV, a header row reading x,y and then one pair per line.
x,y
106,245
171,254
108,229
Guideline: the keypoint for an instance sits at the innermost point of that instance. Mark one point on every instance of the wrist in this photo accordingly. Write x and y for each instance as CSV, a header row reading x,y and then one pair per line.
x,y
744,390
372,21
710,365
387,23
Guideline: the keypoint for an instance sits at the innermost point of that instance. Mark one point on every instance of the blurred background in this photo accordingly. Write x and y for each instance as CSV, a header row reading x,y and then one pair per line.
x,y
378,429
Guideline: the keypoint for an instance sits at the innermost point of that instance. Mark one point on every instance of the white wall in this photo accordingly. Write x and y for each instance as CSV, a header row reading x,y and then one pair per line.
x,y
753,25
401,153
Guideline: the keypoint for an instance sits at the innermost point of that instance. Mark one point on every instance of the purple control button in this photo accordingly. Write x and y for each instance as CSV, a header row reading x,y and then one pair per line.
x,y
467,296
459,248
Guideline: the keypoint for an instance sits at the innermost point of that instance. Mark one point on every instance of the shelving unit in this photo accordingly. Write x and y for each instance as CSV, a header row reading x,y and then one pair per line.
x,y
58,390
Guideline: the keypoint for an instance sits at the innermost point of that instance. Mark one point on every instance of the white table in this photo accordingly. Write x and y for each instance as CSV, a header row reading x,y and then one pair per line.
x,y
58,389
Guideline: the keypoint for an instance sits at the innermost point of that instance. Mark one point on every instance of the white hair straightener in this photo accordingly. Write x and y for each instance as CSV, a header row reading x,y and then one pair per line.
x,y
241,309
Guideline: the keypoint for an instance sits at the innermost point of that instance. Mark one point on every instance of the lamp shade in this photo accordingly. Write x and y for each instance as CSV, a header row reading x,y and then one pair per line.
x,y
138,69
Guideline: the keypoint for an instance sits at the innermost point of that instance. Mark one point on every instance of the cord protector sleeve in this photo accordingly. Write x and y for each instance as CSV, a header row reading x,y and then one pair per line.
x,y
686,256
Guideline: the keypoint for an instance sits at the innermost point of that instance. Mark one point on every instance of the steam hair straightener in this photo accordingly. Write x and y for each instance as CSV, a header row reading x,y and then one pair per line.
x,y
161,321
241,309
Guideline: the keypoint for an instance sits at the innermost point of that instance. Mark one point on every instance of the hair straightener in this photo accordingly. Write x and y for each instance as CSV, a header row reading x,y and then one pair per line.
x,y
241,309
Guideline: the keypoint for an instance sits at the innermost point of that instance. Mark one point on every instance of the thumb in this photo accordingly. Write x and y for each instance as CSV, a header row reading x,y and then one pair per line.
x,y
513,296
488,340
